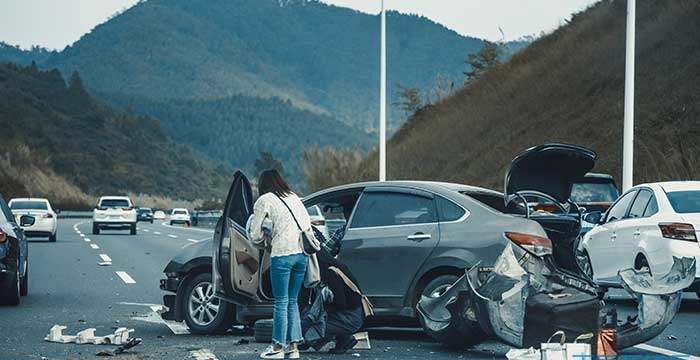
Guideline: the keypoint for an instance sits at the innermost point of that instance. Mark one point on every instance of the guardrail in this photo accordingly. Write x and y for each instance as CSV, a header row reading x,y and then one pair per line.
x,y
207,219
75,214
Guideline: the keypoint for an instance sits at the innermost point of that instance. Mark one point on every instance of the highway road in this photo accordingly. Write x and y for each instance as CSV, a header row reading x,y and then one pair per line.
x,y
69,287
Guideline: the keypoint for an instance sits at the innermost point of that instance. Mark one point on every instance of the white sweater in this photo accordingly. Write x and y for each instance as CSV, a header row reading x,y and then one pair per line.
x,y
285,233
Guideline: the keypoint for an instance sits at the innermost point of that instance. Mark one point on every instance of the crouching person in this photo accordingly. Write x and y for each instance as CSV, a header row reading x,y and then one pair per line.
x,y
344,305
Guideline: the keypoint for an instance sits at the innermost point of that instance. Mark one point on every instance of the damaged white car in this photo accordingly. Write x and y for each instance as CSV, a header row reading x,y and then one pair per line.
x,y
533,291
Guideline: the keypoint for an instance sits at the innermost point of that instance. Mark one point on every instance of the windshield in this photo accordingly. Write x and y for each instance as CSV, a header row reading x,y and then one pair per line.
x,y
313,211
593,193
179,212
28,205
114,203
685,202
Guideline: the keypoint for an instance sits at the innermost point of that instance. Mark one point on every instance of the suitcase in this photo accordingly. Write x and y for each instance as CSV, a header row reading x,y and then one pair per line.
x,y
570,310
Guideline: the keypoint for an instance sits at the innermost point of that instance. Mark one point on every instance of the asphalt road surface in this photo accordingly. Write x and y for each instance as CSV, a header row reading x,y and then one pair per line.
x,y
68,287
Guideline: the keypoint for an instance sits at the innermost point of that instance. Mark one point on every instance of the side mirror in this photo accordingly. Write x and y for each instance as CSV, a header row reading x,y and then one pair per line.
x,y
593,217
26,220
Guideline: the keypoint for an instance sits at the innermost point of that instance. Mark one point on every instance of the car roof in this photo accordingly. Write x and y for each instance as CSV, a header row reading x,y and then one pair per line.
x,y
669,186
598,176
179,209
114,198
29,199
434,186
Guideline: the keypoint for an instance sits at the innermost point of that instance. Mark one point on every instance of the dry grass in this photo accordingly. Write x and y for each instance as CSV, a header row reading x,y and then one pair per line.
x,y
568,86
162,202
326,167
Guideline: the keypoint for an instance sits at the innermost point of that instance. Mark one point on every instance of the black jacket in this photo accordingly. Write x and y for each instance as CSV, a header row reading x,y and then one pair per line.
x,y
343,296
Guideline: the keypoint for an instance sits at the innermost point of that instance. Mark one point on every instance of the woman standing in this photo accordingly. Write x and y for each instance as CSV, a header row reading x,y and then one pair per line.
x,y
288,263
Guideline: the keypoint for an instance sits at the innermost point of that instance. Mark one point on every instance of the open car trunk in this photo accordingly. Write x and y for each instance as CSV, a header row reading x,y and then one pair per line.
x,y
240,270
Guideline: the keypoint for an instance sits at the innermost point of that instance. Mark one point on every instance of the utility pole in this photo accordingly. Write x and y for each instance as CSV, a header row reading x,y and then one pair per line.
x,y
382,100
628,137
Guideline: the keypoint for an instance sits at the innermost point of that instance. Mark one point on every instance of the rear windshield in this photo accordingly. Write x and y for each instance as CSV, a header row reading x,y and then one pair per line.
x,y
179,212
114,203
145,210
491,200
593,192
28,205
684,202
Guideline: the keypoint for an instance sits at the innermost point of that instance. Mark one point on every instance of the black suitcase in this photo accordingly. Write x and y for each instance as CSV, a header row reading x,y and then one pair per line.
x,y
572,311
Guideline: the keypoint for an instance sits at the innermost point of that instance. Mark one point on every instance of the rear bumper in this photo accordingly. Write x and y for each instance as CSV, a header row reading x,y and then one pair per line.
x,y
34,233
113,224
41,226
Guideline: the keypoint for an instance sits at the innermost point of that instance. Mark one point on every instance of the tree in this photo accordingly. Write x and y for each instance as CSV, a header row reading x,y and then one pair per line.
x,y
267,162
487,58
409,100
326,167
75,85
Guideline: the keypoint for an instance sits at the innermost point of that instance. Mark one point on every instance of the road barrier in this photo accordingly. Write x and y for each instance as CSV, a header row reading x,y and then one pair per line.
x,y
75,215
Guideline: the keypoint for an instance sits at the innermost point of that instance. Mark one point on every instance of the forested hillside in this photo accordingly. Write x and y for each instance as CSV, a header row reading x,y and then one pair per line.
x,y
58,141
569,86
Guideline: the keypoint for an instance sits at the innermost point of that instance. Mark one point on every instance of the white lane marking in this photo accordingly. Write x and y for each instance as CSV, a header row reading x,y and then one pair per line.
x,y
200,240
105,258
203,354
82,235
86,239
172,236
666,352
157,232
192,240
146,230
94,246
125,277
187,228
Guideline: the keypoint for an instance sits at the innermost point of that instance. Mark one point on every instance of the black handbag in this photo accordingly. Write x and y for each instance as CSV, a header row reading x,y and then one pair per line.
x,y
310,245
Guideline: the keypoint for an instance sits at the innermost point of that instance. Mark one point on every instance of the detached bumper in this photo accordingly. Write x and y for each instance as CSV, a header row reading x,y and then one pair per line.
x,y
171,284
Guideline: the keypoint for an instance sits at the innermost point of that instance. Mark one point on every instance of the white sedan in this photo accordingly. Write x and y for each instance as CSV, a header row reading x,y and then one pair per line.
x,y
46,219
645,228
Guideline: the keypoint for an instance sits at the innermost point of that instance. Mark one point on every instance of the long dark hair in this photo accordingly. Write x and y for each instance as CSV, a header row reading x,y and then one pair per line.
x,y
272,181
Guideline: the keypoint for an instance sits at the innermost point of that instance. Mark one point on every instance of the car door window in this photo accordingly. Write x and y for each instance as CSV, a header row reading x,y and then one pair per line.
x,y
652,207
448,211
619,210
639,204
389,208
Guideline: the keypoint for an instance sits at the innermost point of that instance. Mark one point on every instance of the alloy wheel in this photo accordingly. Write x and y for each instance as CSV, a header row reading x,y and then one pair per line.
x,y
203,306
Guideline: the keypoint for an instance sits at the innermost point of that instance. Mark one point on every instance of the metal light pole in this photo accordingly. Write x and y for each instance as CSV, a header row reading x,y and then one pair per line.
x,y
382,100
628,140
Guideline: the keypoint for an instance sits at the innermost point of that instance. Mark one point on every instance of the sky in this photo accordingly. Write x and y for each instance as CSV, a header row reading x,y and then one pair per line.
x,y
57,23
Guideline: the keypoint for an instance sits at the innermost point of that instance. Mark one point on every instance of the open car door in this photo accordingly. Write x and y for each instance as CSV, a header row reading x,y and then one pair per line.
x,y
236,263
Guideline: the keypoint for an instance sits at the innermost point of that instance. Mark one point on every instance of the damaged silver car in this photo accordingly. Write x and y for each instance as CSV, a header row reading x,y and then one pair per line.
x,y
532,291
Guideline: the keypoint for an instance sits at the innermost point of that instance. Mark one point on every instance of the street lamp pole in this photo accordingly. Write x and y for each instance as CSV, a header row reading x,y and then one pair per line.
x,y
628,132
382,100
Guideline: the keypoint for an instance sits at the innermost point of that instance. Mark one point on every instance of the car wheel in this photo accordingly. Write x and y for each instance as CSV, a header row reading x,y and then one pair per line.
x,y
11,295
460,333
52,237
262,331
24,286
133,229
204,313
95,229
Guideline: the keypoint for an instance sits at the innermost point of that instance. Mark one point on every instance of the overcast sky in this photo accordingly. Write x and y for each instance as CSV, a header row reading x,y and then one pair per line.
x,y
57,23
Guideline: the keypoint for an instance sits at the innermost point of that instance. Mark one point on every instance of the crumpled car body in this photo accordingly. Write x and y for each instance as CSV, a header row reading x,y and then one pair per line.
x,y
497,303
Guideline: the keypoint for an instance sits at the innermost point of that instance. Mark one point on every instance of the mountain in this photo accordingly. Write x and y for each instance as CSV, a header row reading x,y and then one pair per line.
x,y
569,86
59,141
16,55
236,129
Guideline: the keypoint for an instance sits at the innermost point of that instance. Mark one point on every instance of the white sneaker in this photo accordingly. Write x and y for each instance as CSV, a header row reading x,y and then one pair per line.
x,y
271,353
294,354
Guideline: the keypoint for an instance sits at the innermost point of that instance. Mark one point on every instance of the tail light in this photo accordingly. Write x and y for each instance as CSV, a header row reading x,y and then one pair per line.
x,y
536,245
128,208
3,236
101,208
318,222
678,231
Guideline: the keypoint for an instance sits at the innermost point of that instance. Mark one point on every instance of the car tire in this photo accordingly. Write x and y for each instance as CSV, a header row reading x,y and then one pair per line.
x,y
262,331
171,223
151,221
52,237
132,230
201,322
458,334
95,229
11,295
24,285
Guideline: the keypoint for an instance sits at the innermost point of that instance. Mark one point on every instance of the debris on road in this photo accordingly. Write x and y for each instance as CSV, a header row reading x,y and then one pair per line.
x,y
121,349
671,337
523,354
362,341
87,336
242,341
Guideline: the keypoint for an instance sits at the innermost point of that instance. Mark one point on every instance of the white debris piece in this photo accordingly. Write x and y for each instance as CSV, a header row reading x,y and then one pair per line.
x,y
523,354
362,341
87,336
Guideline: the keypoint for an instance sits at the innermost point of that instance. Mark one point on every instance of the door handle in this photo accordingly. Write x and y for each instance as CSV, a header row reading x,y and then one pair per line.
x,y
613,237
637,233
418,237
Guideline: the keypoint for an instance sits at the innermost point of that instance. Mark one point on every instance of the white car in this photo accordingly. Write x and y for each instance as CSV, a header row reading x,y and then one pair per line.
x,y
114,212
46,219
159,215
180,216
645,228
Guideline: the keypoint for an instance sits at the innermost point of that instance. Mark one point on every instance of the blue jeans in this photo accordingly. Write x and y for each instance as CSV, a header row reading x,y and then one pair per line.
x,y
287,277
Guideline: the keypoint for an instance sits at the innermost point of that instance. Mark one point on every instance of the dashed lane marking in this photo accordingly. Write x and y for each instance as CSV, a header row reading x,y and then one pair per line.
x,y
203,354
196,241
82,235
187,228
105,258
157,232
94,246
87,239
125,277
666,352
146,230
172,236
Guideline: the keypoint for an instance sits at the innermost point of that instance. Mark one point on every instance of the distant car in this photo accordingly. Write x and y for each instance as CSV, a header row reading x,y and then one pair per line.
x,y
317,219
180,216
159,215
14,263
46,219
114,213
644,229
144,214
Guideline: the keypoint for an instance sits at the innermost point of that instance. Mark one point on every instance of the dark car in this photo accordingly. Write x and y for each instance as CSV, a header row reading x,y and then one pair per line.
x,y
595,192
144,214
14,263
404,240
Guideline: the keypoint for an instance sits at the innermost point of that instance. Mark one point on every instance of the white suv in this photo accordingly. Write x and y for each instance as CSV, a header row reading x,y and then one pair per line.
x,y
114,212
180,216
45,224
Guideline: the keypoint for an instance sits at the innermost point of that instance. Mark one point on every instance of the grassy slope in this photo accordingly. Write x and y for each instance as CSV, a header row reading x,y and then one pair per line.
x,y
569,86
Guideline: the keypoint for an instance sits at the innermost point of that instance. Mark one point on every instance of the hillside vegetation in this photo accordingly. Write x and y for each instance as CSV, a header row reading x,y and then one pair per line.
x,y
569,86
60,142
